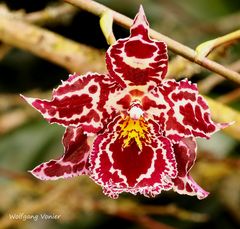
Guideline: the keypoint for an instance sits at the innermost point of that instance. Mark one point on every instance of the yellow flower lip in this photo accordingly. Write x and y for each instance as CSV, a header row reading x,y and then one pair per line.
x,y
134,129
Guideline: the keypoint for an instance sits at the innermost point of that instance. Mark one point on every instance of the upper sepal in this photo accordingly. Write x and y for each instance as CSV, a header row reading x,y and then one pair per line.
x,y
138,60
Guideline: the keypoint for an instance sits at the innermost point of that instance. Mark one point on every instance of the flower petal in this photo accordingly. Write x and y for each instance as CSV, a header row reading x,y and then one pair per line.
x,y
185,153
121,164
186,113
74,162
138,60
79,101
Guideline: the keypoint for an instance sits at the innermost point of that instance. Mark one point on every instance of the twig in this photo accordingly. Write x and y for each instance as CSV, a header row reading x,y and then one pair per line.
x,y
149,223
14,175
48,15
9,101
206,85
14,111
135,209
180,67
55,48
176,212
131,211
229,97
178,48
231,162
51,14
13,119
57,13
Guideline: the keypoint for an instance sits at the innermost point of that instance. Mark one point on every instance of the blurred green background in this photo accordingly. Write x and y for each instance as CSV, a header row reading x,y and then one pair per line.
x,y
27,140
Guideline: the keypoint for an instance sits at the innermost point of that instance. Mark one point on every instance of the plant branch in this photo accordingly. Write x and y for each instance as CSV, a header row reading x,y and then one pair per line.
x,y
60,13
10,174
188,53
51,14
13,119
229,97
206,85
51,46
14,111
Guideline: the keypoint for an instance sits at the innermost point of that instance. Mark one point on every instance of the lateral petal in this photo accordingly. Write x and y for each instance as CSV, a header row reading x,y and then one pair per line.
x,y
74,162
119,167
79,101
185,153
186,113
138,60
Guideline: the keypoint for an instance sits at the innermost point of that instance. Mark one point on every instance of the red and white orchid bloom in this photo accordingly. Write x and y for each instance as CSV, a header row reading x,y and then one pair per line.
x,y
129,130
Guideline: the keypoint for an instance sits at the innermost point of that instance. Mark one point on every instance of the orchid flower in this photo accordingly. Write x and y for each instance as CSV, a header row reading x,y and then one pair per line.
x,y
129,130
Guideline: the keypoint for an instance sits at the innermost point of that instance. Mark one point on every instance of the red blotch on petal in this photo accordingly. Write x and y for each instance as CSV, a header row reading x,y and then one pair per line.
x,y
57,170
92,89
132,49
